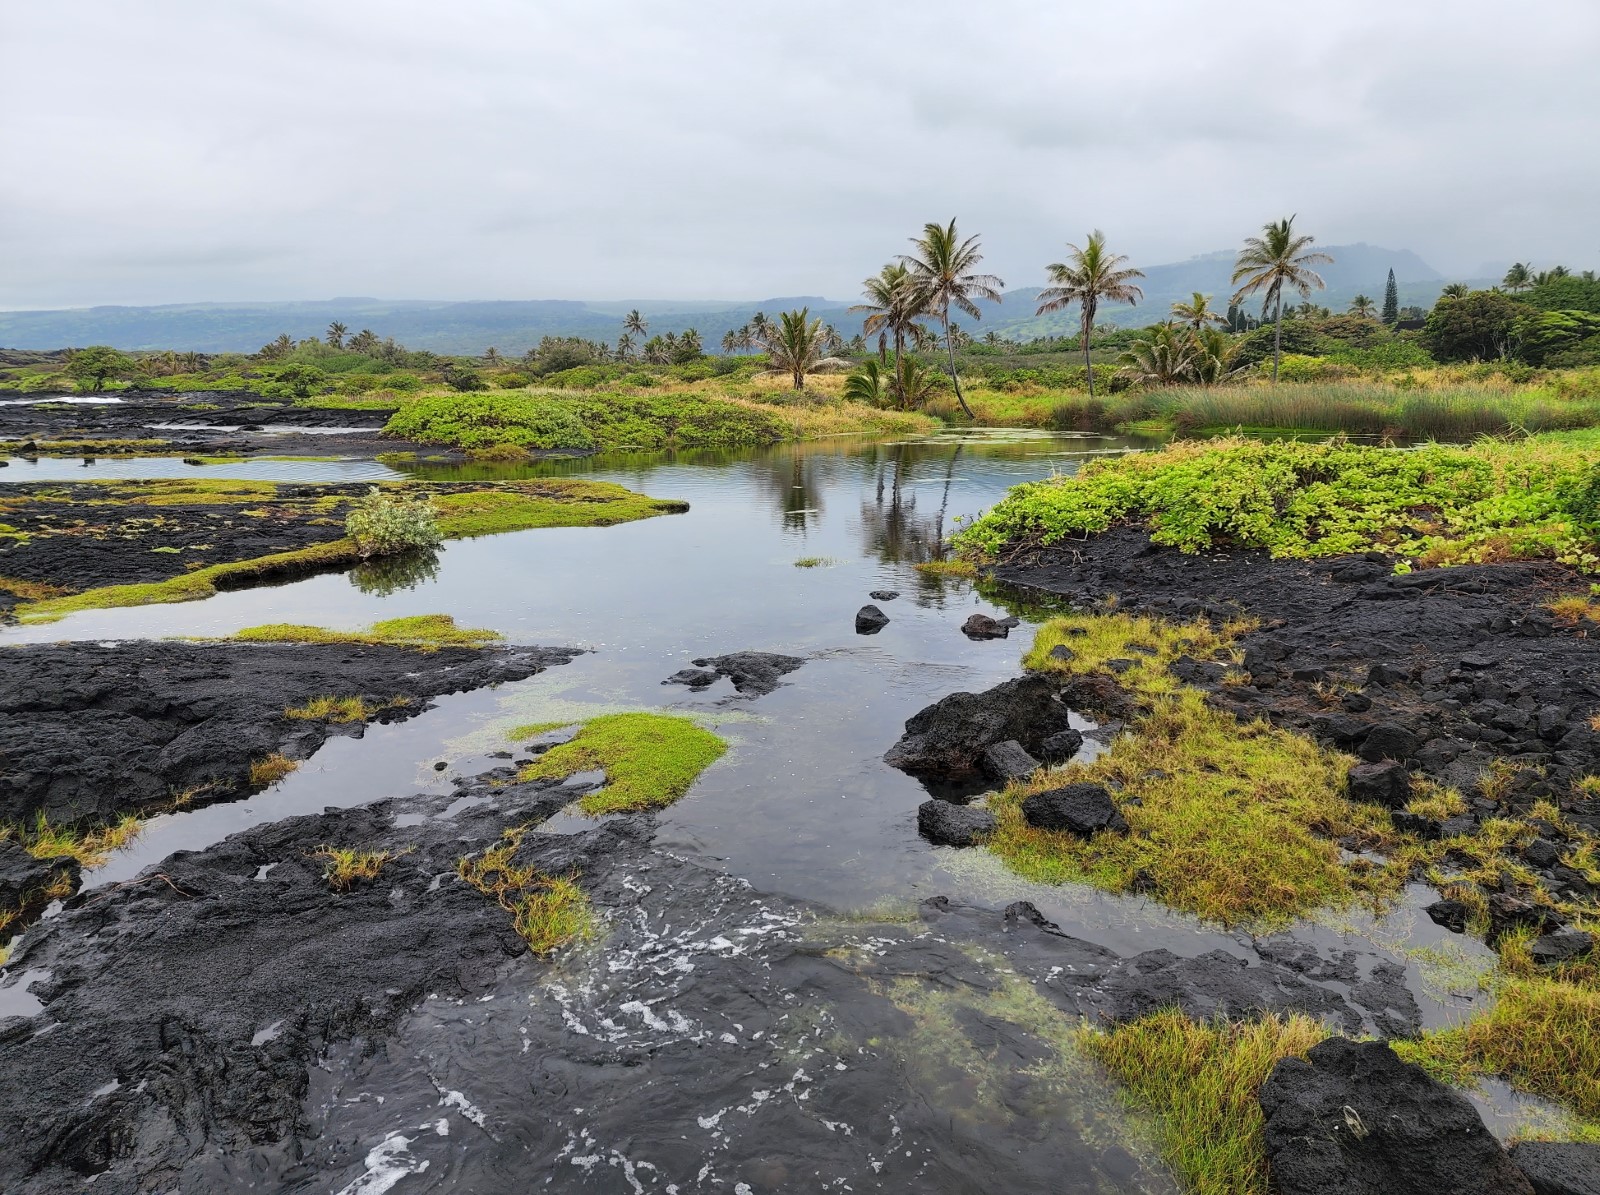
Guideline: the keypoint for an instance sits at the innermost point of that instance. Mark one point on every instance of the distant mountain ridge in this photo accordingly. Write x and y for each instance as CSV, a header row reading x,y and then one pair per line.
x,y
514,326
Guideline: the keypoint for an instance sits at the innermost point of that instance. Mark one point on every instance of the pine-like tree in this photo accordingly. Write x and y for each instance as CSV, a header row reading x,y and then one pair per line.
x,y
1391,301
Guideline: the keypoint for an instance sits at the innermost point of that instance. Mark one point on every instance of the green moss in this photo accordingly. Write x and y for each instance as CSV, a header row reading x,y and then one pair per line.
x,y
1201,791
650,760
1201,1081
532,730
426,631
85,448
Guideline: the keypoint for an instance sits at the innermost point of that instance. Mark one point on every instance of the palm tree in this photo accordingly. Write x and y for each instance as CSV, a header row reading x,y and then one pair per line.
x,y
1197,312
892,309
1271,261
625,351
1518,277
635,323
1456,290
943,268
491,356
730,342
1363,306
336,332
1213,355
795,344
869,384
760,327
992,339
1087,276
690,345
1162,357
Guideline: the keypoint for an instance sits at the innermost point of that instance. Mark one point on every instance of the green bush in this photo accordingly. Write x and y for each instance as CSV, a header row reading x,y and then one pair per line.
x,y
384,524
1494,501
489,418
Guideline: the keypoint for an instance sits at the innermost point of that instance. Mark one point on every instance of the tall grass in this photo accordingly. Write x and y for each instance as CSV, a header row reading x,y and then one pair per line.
x,y
1375,409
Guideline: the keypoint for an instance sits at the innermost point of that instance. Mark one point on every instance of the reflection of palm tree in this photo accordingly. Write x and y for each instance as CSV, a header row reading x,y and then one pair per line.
x,y
895,532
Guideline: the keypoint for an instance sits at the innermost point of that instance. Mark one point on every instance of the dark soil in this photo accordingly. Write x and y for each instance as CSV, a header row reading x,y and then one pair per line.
x,y
91,731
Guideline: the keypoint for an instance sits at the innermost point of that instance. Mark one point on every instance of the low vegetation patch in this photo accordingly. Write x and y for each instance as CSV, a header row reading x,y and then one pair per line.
x,y
340,709
1200,790
650,760
815,562
45,840
385,523
548,912
346,866
1538,498
427,632
268,771
1201,1082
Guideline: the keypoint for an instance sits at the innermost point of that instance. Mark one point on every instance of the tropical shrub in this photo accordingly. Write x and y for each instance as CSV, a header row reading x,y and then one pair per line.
x,y
383,523
490,418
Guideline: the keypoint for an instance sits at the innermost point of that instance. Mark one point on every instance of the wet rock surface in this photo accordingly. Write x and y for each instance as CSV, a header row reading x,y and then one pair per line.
x,y
1081,809
1354,1119
212,422
753,673
1559,1167
870,620
950,736
983,626
948,824
90,731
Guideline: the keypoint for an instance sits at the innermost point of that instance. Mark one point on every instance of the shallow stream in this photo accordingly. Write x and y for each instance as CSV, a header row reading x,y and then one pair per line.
x,y
800,835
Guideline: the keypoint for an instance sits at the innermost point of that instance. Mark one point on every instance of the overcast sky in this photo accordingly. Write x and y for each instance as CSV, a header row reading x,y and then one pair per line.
x,y
180,150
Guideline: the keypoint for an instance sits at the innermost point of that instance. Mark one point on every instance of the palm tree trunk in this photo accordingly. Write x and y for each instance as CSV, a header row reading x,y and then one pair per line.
x,y
894,384
1277,336
1088,366
954,380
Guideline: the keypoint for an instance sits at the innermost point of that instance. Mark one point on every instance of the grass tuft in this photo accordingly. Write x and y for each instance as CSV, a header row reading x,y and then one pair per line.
x,y
815,562
650,760
346,866
548,912
268,771
1201,1081
45,840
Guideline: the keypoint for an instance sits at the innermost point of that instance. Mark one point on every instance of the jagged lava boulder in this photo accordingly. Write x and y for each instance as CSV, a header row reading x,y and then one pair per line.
x,y
949,736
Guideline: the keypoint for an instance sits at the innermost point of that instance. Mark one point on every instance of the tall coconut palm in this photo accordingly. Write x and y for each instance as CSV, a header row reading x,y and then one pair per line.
x,y
491,356
760,327
625,349
1089,275
1363,306
1518,277
635,323
795,344
944,268
1268,263
336,332
1197,312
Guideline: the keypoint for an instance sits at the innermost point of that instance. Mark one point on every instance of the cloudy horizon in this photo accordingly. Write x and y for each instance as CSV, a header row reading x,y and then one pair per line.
x,y
176,151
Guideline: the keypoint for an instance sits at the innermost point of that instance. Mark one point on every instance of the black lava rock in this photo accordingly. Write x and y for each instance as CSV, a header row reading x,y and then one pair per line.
x,y
870,620
1082,809
981,626
1388,740
1559,1167
949,736
1386,783
753,673
1008,761
1560,946
1353,1119
884,595
1453,915
1061,746
949,824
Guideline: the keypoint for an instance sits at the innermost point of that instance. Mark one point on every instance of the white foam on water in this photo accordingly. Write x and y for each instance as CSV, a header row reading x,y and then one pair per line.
x,y
387,1163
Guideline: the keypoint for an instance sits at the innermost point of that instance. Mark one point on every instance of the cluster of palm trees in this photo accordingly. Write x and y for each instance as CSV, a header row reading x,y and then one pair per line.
x,y
671,348
1521,276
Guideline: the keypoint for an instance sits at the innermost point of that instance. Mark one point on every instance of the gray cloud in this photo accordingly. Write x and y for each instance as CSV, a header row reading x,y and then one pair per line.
x,y
179,150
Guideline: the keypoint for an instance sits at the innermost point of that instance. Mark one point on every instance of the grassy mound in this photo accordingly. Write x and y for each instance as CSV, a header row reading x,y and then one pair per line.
x,y
650,760
429,632
1211,790
1538,498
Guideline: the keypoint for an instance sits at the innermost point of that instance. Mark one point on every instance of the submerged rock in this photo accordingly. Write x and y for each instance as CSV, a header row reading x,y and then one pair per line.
x,y
981,626
870,620
1353,1119
1559,1167
753,673
949,824
949,736
1081,809
884,595
1061,746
